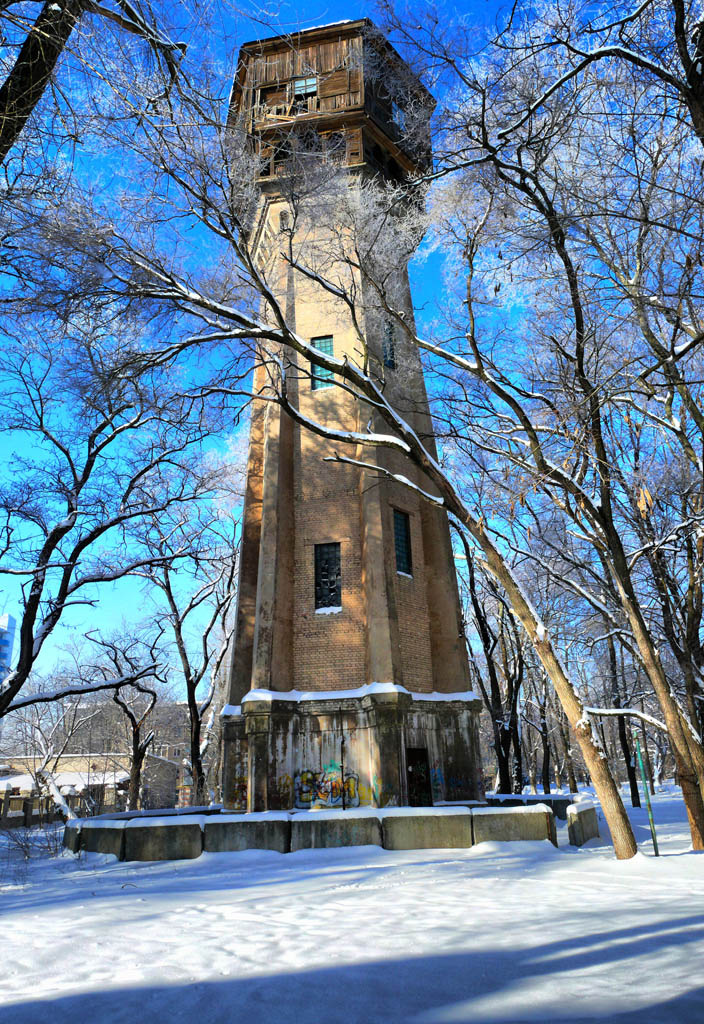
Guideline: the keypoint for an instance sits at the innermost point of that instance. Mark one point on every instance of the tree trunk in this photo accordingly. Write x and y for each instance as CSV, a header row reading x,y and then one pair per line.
x,y
687,751
611,804
646,756
622,729
569,763
517,763
138,755
198,790
26,82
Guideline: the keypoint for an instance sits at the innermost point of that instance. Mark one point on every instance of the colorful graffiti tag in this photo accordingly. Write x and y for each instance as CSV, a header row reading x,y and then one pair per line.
x,y
324,788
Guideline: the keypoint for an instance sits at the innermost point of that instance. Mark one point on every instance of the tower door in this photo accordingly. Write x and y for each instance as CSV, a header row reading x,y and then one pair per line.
x,y
418,777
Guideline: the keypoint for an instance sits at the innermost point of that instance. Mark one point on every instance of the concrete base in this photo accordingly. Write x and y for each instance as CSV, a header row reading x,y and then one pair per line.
x,y
253,832
287,754
402,830
163,839
174,838
72,837
582,823
513,824
103,837
314,831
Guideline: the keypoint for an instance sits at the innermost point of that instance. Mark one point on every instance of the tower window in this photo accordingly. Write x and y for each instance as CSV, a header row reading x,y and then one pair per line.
x,y
398,115
402,542
302,89
389,347
320,377
328,576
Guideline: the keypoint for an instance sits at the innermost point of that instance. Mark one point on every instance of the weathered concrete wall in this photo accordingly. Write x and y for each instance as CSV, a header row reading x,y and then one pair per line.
x,y
512,824
72,836
582,823
445,828
102,836
180,837
270,831
322,830
163,839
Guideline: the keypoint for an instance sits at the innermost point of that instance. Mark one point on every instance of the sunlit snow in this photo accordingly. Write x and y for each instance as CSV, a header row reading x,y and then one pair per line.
x,y
496,934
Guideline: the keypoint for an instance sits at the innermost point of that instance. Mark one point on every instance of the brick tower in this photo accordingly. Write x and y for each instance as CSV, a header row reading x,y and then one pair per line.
x,y
349,682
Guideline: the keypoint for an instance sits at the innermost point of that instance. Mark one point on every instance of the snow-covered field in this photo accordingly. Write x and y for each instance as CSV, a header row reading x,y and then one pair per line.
x,y
499,933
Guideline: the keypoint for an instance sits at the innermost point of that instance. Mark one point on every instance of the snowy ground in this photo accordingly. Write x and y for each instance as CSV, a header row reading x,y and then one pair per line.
x,y
500,933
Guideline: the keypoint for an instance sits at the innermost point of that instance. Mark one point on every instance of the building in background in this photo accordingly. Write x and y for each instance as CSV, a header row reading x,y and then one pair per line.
x,y
7,640
350,682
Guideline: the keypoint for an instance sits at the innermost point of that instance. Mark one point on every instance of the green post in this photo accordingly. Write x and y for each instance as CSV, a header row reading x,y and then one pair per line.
x,y
647,796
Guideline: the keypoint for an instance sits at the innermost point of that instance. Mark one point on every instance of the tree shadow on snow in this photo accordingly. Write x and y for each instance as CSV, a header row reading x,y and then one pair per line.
x,y
484,987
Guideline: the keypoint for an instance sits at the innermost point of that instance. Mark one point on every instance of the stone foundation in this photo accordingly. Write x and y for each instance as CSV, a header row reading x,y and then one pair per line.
x,y
380,746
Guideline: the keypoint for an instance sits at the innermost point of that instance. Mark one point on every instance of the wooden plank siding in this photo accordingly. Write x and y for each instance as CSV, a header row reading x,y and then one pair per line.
x,y
355,73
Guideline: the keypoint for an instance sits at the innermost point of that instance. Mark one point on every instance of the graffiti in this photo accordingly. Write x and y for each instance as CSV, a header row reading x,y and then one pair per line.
x,y
239,792
437,781
324,788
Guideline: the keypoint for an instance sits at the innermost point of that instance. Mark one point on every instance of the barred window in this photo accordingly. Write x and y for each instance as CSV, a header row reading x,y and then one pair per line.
x,y
328,576
320,377
389,347
402,541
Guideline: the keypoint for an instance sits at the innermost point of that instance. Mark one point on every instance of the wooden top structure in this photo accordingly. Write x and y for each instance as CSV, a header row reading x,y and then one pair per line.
x,y
343,88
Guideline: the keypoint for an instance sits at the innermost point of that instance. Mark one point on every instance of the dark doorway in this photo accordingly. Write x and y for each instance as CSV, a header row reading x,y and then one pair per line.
x,y
418,777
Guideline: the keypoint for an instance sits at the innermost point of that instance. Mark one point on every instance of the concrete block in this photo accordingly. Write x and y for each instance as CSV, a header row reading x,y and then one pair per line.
x,y
502,825
163,839
435,828
265,831
582,823
557,802
313,830
72,836
103,837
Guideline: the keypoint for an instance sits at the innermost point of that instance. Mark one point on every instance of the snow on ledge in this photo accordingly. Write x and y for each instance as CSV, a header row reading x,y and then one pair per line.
x,y
335,814
530,809
231,710
331,610
299,696
171,820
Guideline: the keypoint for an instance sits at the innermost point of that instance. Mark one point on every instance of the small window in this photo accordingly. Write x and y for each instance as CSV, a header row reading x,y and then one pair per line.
x,y
398,115
302,89
328,576
320,377
402,541
389,347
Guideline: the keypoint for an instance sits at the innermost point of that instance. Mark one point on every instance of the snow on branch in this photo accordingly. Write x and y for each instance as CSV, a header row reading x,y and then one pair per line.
x,y
606,712
77,691
397,477
589,58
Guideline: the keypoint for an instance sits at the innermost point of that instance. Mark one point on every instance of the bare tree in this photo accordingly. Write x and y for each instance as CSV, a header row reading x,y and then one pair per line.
x,y
40,46
196,596
197,161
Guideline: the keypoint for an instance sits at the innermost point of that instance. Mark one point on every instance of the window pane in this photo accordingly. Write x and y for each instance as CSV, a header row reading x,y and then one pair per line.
x,y
328,576
389,347
402,541
304,86
321,378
